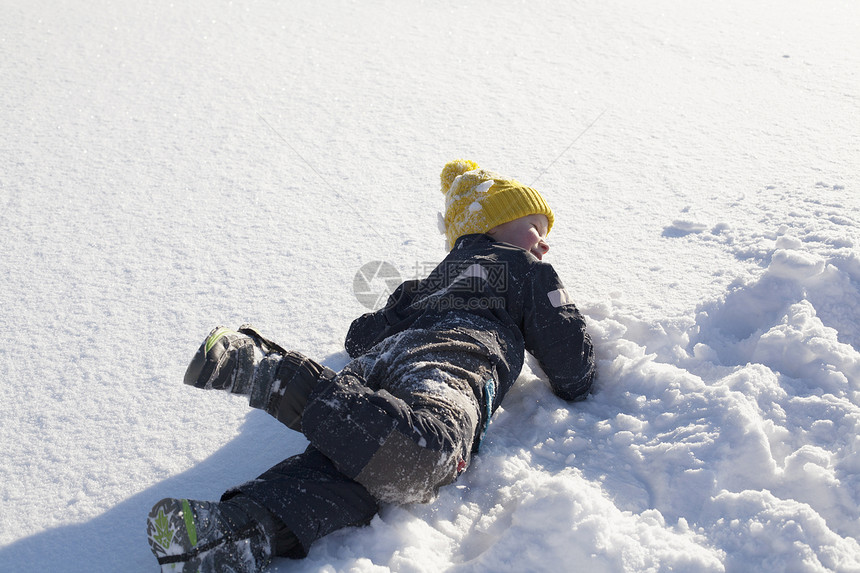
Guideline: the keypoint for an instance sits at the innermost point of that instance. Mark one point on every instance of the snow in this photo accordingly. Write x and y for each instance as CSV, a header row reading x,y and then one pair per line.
x,y
167,167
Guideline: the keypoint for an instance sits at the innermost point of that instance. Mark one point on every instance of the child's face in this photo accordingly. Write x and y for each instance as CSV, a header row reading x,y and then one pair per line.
x,y
527,233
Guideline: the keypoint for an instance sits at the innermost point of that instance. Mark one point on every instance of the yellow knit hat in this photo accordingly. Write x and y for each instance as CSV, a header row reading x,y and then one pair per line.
x,y
476,200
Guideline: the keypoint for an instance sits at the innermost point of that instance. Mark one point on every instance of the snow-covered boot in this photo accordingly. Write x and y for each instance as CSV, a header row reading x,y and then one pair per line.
x,y
225,361
245,362
208,537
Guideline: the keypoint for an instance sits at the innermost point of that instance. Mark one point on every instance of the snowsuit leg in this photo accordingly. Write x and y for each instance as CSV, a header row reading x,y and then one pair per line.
x,y
282,384
394,426
310,497
401,420
305,492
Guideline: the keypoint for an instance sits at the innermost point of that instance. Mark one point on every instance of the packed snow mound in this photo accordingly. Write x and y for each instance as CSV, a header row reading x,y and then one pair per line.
x,y
748,416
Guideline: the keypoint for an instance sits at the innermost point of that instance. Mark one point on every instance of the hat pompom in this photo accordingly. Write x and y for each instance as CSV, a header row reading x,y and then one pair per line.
x,y
454,169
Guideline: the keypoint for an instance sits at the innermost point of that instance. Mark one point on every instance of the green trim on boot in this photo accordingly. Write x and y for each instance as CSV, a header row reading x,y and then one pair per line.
x,y
199,536
215,336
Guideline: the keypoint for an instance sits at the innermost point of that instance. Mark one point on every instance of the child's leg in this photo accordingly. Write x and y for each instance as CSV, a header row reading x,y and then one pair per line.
x,y
282,384
400,453
402,420
281,513
311,498
275,380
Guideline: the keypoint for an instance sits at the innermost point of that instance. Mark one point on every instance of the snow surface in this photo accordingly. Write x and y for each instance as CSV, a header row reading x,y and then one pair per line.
x,y
169,166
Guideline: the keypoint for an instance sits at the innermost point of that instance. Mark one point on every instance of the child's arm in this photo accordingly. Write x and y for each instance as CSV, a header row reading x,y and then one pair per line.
x,y
554,332
372,327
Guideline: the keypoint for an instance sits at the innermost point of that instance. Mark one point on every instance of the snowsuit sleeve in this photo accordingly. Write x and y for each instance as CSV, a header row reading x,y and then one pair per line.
x,y
372,327
554,333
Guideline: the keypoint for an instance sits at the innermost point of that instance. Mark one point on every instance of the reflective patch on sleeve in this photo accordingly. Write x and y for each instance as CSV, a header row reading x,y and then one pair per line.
x,y
475,271
559,297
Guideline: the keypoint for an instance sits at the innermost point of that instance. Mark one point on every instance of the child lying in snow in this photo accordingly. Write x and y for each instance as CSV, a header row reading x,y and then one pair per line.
x,y
406,414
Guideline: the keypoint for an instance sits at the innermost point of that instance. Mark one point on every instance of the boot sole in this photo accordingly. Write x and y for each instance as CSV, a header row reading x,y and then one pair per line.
x,y
203,364
172,535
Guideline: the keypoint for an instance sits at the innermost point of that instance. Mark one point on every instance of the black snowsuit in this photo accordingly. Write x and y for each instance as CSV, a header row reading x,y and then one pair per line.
x,y
427,372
